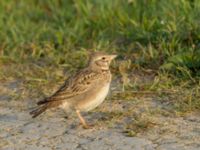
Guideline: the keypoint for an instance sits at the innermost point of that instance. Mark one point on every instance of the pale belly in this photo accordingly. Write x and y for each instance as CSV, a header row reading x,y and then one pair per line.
x,y
95,99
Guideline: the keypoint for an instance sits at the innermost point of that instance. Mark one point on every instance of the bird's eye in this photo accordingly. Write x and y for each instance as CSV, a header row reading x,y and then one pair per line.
x,y
103,58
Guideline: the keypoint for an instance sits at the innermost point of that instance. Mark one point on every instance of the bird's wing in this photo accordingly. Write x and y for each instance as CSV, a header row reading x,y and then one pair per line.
x,y
80,83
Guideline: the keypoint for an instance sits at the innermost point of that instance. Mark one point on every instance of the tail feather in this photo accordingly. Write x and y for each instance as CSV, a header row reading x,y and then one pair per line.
x,y
38,111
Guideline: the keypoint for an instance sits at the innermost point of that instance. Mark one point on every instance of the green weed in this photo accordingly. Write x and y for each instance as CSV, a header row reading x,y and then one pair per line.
x,y
42,42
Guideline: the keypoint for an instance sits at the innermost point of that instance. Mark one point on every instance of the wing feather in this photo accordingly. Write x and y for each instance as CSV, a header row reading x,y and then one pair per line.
x,y
76,85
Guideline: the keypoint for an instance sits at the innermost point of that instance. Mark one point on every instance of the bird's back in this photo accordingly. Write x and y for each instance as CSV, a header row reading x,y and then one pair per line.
x,y
84,84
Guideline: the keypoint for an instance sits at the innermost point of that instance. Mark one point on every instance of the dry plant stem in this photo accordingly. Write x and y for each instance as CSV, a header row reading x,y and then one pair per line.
x,y
145,92
82,119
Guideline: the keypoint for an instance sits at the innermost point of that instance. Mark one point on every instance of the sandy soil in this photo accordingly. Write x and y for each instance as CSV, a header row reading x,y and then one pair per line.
x,y
112,126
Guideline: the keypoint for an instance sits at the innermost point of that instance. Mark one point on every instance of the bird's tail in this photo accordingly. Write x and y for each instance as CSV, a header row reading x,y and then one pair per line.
x,y
40,109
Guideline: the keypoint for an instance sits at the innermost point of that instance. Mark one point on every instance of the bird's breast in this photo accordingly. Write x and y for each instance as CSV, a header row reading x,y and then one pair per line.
x,y
95,98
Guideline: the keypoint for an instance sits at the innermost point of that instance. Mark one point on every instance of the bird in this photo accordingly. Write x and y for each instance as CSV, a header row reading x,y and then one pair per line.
x,y
83,91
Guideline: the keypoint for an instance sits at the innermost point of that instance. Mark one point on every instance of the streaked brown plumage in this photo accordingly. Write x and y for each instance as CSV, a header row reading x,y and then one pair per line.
x,y
84,91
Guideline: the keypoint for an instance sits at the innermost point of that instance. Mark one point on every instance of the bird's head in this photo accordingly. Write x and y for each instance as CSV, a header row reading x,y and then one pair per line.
x,y
101,61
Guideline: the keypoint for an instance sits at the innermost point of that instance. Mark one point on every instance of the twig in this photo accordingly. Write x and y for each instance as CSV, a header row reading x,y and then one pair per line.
x,y
144,92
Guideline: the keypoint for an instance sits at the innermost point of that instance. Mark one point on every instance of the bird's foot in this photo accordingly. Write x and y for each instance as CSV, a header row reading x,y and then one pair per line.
x,y
88,126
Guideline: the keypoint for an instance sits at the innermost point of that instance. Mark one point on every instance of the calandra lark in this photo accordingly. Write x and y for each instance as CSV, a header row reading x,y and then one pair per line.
x,y
84,91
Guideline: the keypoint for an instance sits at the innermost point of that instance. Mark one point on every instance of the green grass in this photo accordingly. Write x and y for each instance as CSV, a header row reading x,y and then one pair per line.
x,y
40,41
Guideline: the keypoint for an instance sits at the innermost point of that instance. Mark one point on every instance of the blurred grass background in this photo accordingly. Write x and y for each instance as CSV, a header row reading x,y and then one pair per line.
x,y
40,41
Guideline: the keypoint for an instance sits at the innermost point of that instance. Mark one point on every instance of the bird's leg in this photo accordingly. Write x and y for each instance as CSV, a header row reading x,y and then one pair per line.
x,y
82,119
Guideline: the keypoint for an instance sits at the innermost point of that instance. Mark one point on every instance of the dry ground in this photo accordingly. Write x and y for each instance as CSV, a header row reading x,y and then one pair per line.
x,y
143,123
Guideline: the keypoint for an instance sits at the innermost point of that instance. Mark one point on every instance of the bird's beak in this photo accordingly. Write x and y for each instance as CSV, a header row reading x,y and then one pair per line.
x,y
113,56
